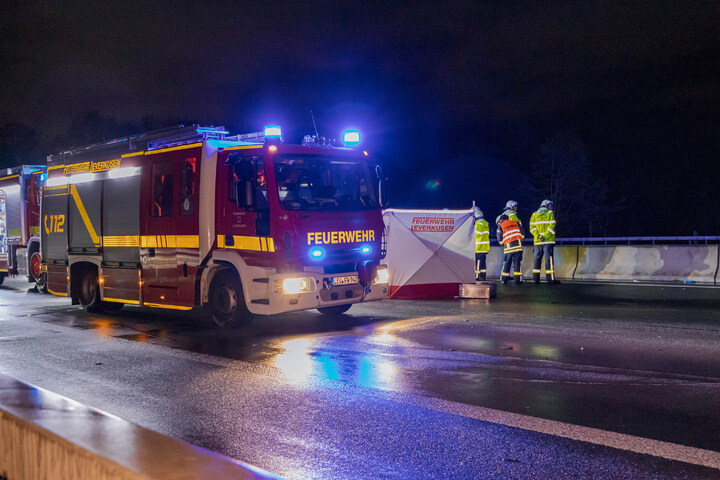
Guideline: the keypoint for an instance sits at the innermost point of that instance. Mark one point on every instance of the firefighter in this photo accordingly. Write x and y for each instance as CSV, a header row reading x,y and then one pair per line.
x,y
510,211
542,227
482,244
510,234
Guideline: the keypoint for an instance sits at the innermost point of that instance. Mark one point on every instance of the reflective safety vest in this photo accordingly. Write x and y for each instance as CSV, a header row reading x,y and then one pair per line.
x,y
542,223
512,215
512,236
482,235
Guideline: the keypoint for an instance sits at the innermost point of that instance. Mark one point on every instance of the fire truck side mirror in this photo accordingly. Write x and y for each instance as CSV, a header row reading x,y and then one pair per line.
x,y
383,194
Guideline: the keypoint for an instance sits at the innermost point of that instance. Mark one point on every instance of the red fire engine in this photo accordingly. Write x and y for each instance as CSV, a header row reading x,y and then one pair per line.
x,y
19,223
190,216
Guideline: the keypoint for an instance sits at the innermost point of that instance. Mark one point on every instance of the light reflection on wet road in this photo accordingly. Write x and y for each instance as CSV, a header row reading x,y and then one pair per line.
x,y
630,359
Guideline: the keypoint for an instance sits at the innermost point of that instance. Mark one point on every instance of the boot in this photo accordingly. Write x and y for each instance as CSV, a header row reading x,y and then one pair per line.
x,y
536,278
482,277
518,279
551,280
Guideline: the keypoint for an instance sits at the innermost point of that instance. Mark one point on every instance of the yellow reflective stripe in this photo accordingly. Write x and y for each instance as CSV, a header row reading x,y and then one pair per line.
x,y
243,147
187,241
169,241
121,241
258,244
11,176
121,300
171,307
86,220
181,147
58,293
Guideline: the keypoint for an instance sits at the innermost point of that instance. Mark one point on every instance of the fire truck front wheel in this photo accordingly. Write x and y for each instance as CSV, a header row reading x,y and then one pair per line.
x,y
226,304
89,291
335,310
2,277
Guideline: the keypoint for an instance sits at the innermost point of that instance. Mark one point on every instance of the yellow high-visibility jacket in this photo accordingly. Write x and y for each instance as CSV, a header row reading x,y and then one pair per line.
x,y
542,223
482,235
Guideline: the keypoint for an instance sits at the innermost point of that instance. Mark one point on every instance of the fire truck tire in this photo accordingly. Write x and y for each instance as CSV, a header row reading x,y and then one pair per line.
x,y
226,303
37,274
89,291
2,277
336,310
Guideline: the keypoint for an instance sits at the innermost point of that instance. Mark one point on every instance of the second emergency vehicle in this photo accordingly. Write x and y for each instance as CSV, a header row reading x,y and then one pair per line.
x,y
19,223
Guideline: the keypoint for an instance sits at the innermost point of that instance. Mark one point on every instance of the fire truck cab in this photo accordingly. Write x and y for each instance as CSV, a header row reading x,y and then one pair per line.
x,y
19,223
190,216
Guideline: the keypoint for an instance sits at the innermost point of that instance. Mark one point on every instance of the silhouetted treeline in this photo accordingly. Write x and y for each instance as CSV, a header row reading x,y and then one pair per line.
x,y
592,197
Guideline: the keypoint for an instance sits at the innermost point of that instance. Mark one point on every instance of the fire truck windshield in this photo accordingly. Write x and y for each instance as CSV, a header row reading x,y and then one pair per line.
x,y
314,182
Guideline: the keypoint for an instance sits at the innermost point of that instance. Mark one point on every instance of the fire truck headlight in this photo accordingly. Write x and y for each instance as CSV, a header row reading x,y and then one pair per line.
x,y
317,253
273,131
351,137
365,249
295,285
383,275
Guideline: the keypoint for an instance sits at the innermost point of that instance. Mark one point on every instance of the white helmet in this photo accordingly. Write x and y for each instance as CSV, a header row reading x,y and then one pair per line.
x,y
477,212
545,203
511,205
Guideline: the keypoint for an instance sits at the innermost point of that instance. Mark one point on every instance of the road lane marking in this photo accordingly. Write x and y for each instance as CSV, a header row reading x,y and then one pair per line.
x,y
619,441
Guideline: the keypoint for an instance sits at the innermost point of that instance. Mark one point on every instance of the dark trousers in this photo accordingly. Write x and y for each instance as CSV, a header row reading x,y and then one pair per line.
x,y
480,265
547,251
513,260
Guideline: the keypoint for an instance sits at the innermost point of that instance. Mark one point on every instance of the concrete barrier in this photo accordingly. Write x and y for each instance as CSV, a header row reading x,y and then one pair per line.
x,y
46,436
656,263
651,263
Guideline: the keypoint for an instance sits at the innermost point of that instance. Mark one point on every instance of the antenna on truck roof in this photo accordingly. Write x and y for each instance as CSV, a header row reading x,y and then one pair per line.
x,y
317,135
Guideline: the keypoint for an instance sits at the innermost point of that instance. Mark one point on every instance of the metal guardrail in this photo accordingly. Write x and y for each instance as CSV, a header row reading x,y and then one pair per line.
x,y
688,240
569,241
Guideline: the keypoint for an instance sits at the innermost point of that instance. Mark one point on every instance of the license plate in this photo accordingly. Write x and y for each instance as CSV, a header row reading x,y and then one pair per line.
x,y
348,280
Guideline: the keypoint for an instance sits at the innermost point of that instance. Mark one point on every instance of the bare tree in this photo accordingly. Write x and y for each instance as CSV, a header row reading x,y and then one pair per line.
x,y
562,172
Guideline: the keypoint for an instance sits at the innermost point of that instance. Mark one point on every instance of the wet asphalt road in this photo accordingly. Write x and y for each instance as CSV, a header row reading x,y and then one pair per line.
x,y
397,389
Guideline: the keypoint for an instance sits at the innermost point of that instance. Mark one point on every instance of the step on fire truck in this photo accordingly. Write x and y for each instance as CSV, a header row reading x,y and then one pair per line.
x,y
190,216
19,223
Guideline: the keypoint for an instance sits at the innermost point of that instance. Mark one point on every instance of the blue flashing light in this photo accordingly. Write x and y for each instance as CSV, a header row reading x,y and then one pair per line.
x,y
317,253
43,177
273,131
351,137
365,249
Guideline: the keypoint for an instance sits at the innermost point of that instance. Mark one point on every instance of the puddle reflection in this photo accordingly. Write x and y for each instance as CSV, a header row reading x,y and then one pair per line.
x,y
301,361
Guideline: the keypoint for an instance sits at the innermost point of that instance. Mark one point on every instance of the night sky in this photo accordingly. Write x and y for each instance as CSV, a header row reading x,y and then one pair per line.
x,y
455,99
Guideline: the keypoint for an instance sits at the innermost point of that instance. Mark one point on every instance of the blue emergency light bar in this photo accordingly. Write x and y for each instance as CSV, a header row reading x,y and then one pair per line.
x,y
317,253
273,131
351,137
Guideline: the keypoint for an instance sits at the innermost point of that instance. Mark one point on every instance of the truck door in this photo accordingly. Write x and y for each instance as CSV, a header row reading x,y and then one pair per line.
x,y
243,222
158,252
